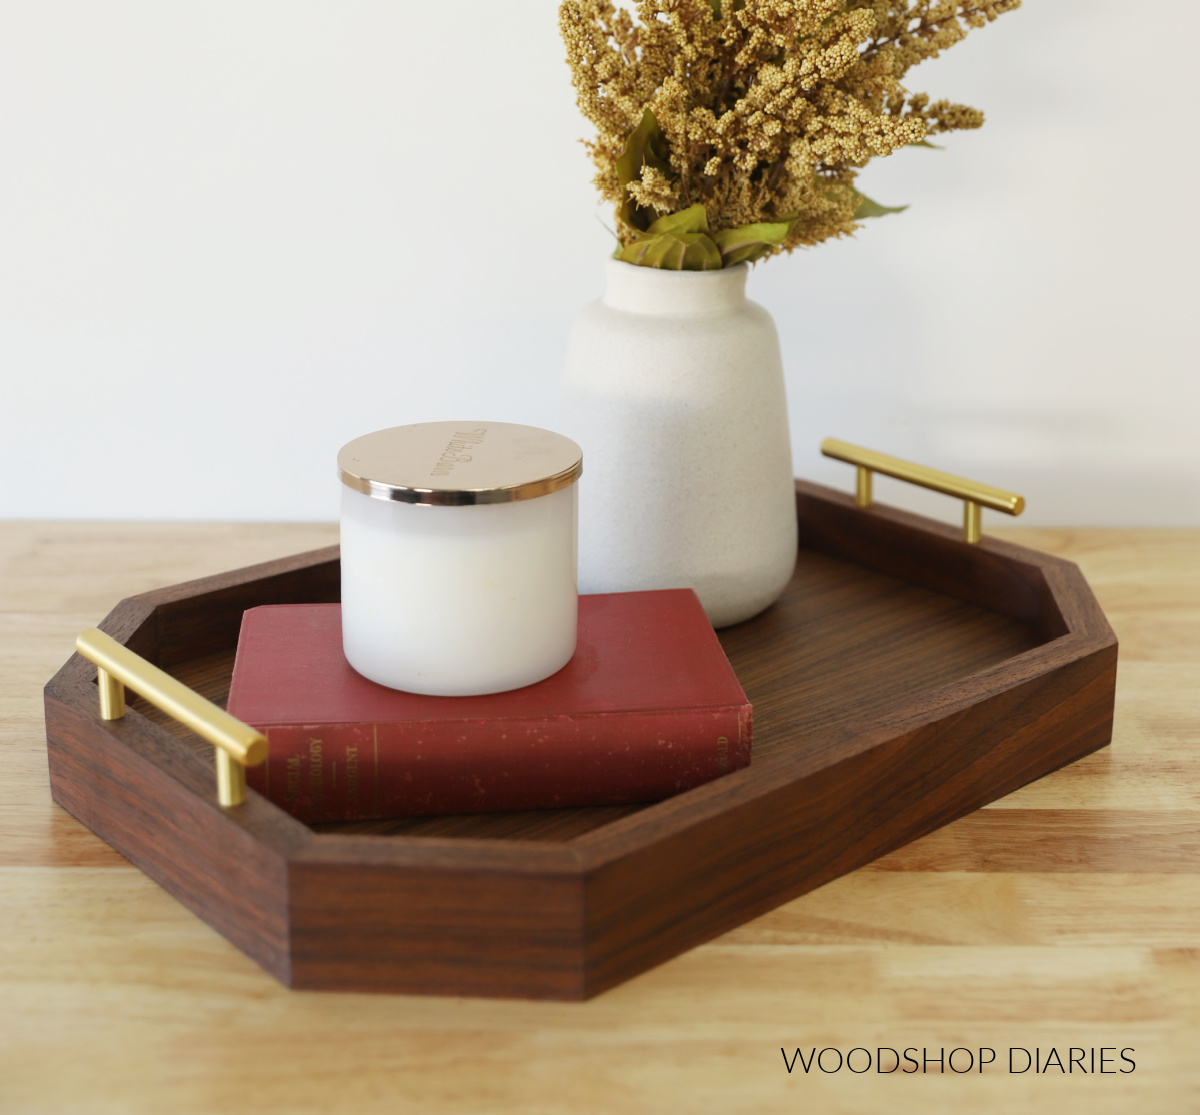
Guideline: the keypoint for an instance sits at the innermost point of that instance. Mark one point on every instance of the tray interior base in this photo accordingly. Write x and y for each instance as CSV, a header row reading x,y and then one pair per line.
x,y
844,643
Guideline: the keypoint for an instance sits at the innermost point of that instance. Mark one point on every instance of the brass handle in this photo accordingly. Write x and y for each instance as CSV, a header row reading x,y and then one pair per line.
x,y
238,745
975,495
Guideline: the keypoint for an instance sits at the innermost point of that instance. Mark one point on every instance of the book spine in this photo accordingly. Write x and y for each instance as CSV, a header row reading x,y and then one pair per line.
x,y
348,772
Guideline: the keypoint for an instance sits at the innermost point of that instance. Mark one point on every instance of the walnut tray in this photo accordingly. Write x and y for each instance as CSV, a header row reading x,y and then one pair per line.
x,y
905,678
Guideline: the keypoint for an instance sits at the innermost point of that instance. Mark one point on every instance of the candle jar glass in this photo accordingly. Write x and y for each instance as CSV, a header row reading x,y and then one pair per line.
x,y
459,556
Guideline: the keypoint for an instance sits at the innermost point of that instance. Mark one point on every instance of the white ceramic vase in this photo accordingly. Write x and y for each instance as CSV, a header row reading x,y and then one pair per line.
x,y
674,390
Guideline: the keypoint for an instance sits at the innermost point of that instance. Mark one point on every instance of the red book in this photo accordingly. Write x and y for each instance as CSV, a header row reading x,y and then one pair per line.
x,y
649,706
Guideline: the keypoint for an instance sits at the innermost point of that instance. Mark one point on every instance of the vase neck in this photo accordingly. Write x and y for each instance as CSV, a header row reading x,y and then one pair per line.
x,y
649,290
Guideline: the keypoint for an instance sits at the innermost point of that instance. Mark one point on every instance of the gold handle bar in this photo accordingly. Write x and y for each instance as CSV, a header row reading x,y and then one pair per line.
x,y
238,745
975,495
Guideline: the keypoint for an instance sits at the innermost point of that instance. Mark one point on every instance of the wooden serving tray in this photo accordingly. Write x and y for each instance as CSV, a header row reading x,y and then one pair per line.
x,y
904,679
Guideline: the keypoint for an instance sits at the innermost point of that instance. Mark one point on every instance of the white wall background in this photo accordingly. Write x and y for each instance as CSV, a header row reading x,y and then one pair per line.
x,y
235,234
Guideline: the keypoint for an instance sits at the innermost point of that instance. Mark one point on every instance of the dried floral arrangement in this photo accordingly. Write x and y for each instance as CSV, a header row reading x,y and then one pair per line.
x,y
731,130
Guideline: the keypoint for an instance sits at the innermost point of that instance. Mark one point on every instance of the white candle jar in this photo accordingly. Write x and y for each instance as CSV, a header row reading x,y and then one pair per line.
x,y
459,555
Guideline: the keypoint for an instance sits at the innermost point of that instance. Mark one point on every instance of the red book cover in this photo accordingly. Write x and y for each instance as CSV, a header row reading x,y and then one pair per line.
x,y
648,706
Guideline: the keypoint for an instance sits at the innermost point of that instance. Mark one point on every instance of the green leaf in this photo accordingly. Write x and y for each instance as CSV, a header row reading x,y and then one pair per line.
x,y
634,215
692,219
868,208
926,143
702,254
645,146
674,251
751,242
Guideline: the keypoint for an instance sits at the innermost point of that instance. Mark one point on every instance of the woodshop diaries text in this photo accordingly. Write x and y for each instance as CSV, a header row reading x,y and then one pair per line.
x,y
961,1060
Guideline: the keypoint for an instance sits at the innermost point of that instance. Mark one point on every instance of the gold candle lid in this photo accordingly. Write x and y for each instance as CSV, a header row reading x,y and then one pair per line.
x,y
456,463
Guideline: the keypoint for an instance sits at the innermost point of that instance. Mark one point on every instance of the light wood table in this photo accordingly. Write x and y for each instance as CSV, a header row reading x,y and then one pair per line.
x,y
1067,914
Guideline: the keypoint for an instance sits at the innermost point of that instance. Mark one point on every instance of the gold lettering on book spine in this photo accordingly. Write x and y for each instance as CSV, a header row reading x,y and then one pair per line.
x,y
316,772
722,753
292,793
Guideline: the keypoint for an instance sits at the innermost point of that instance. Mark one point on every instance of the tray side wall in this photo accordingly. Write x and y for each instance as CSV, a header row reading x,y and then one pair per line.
x,y
436,931
991,574
661,898
203,617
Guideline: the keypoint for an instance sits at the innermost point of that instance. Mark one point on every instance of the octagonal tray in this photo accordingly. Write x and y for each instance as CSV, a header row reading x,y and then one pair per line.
x,y
904,679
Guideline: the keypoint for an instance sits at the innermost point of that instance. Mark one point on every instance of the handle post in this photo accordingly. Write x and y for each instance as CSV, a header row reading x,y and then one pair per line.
x,y
112,695
972,521
862,486
231,779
